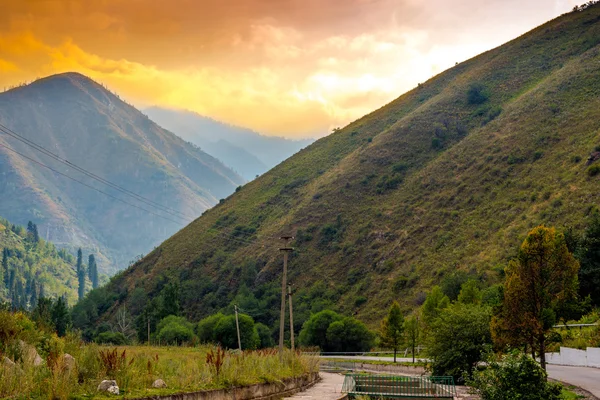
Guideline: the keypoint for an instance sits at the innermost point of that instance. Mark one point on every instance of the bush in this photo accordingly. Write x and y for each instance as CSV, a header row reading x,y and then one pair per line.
x,y
314,331
114,338
175,333
477,94
515,376
594,170
264,335
206,328
331,332
458,340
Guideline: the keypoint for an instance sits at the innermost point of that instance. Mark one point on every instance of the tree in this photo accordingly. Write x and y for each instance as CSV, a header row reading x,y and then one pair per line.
x,y
42,313
175,330
411,332
589,257
60,316
391,328
124,323
80,275
458,339
93,271
265,336
170,300
349,335
4,268
435,302
470,293
538,288
206,328
314,331
226,332
32,233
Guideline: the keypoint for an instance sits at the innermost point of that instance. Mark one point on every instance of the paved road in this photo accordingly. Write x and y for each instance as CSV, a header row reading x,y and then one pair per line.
x,y
330,388
585,378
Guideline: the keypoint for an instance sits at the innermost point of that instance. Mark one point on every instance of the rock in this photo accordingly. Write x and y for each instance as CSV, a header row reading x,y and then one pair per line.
x,y
113,390
30,354
105,385
68,361
159,384
8,362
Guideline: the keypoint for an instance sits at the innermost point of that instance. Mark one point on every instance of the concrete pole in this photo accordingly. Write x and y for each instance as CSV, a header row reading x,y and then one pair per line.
x,y
285,250
237,326
291,317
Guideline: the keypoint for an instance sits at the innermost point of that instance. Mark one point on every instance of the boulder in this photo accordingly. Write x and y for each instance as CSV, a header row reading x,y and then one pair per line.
x,y
8,362
159,384
68,361
113,390
105,385
30,354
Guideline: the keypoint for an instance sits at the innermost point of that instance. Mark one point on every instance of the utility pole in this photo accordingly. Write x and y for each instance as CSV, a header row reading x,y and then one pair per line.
x,y
285,250
291,317
237,326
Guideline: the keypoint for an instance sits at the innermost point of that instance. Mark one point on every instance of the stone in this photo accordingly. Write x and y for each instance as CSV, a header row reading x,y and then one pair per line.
x,y
30,354
159,384
68,361
105,385
8,362
113,390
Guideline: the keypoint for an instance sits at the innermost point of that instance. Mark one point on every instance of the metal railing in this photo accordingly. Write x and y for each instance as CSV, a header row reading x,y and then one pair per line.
x,y
432,387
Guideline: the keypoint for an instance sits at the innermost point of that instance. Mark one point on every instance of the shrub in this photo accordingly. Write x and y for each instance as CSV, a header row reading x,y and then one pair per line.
x,y
515,376
349,334
175,333
594,170
114,338
476,94
206,328
264,335
226,332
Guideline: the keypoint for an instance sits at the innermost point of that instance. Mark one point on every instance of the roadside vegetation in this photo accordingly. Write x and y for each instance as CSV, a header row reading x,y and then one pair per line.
x,y
58,376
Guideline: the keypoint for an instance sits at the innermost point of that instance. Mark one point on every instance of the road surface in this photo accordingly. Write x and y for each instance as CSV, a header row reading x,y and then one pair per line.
x,y
329,388
369,358
585,378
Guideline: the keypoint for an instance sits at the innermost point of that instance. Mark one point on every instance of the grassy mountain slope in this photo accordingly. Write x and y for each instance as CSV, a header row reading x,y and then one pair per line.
x,y
450,176
84,123
244,150
34,267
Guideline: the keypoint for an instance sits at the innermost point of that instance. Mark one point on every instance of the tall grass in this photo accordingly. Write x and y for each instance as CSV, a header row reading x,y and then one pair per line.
x,y
135,369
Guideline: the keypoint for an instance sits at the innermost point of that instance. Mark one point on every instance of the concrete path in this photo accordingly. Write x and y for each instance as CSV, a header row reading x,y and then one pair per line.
x,y
369,358
585,378
330,388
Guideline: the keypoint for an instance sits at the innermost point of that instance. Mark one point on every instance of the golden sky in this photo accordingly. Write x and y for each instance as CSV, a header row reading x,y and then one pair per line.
x,y
295,68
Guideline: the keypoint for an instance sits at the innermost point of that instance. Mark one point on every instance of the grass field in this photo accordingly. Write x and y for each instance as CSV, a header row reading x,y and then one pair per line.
x,y
135,368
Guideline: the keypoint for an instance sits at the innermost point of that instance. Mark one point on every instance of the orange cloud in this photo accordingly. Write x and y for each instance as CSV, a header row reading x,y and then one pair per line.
x,y
291,67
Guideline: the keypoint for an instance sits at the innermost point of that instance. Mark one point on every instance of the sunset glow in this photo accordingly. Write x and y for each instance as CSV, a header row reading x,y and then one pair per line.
x,y
296,68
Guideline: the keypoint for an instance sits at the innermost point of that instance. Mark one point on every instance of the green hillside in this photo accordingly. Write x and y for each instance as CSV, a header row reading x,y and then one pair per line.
x,y
82,122
449,177
31,269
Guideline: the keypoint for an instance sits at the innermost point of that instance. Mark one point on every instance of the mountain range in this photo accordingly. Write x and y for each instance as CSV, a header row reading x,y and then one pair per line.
x,y
78,125
245,151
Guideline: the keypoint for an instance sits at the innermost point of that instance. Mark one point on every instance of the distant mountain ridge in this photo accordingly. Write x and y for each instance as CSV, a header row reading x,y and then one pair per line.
x,y
82,122
247,152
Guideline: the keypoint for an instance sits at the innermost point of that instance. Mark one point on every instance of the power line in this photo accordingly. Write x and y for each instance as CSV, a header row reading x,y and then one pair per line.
x,y
115,186
85,184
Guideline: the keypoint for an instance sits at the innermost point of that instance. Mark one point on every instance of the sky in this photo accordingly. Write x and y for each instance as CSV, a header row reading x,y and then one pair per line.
x,y
294,68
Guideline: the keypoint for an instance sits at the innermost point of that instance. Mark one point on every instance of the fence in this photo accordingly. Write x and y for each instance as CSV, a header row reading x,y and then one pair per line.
x,y
408,387
574,357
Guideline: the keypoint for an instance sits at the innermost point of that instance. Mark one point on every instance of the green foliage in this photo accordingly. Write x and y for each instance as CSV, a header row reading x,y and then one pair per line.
x,y
175,330
314,331
112,338
349,334
61,318
477,94
593,170
588,253
514,376
458,339
264,335
392,328
435,302
470,293
206,328
226,334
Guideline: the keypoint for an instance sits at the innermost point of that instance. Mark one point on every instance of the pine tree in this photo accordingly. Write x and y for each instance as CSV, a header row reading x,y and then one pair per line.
x,y
36,235
392,327
4,268
80,275
60,316
93,271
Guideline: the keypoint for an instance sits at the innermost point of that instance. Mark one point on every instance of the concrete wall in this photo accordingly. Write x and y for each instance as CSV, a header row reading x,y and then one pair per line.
x,y
574,357
264,391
